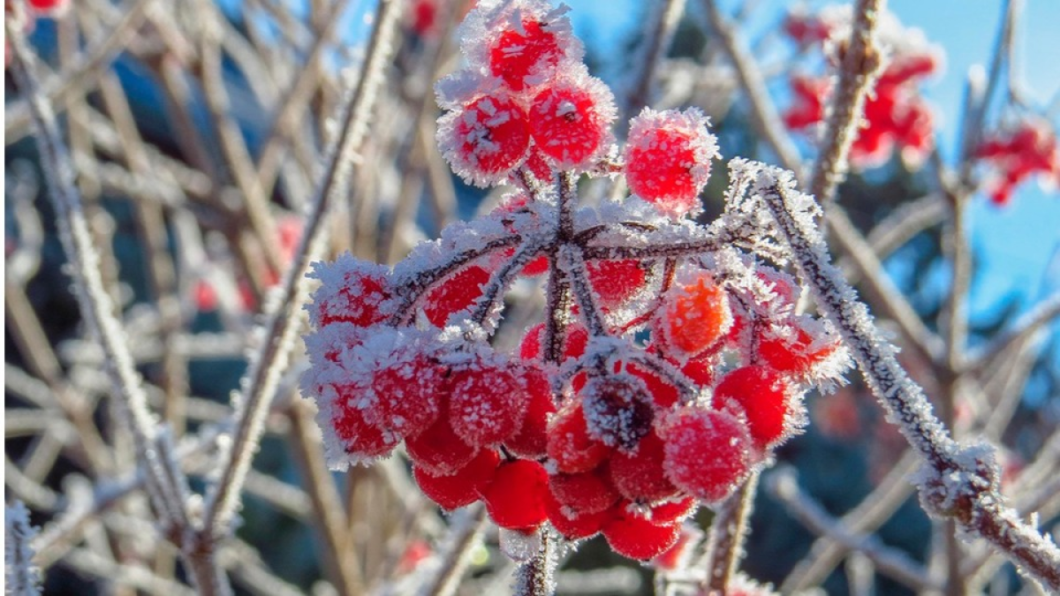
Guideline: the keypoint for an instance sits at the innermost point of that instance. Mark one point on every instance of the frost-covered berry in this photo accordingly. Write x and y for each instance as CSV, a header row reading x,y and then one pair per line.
x,y
462,487
525,48
438,450
485,139
404,394
637,537
356,435
673,510
456,294
516,498
570,119
532,438
676,557
615,281
588,492
569,443
618,410
694,318
574,526
797,348
351,291
638,475
668,158
487,403
707,452
761,396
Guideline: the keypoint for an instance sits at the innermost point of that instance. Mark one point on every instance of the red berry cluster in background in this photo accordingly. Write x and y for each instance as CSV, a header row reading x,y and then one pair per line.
x,y
1019,152
583,426
896,117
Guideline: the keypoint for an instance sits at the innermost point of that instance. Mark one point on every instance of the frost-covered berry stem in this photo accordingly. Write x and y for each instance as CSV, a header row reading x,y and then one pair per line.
x,y
535,577
862,60
727,533
960,483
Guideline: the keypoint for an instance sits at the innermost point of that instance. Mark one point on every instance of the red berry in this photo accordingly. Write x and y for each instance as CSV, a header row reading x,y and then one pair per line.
x,y
523,52
675,557
438,450
485,139
674,510
760,395
456,294
574,342
570,120
539,167
615,281
618,410
570,444
797,352
571,526
588,492
356,435
405,394
694,318
707,453
351,291
634,536
487,404
638,475
516,498
531,440
663,393
464,486
668,158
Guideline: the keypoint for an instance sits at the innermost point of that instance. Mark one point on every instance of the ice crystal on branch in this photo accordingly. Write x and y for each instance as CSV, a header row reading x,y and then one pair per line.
x,y
585,426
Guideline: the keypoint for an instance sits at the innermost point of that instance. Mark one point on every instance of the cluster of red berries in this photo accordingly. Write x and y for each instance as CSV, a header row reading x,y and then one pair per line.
x,y
1028,148
584,426
896,116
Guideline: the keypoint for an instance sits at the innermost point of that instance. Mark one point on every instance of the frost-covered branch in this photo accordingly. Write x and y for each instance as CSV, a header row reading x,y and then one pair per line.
x,y
959,482
861,60
21,577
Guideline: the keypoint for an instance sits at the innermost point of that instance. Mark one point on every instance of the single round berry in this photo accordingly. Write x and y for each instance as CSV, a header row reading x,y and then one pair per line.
x,y
350,291
487,404
570,120
663,393
438,450
516,498
456,294
485,139
761,396
668,158
569,443
405,394
694,318
618,410
462,487
525,51
357,436
638,475
588,492
634,536
532,439
615,281
574,526
707,453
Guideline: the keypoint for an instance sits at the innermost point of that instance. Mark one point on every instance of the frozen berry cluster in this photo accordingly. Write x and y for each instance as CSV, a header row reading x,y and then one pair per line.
x,y
896,116
669,364
1018,152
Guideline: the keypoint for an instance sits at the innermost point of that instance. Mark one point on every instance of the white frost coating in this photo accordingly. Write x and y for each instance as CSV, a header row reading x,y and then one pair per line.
x,y
519,546
21,577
